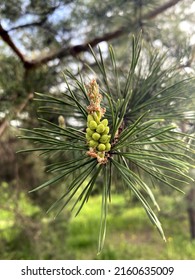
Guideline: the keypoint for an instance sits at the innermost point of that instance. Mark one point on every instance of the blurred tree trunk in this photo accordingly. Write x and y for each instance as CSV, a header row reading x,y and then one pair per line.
x,y
191,211
189,127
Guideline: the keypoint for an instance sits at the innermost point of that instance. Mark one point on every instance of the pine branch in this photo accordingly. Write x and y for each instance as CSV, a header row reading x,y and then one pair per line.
x,y
161,9
124,133
31,24
47,12
75,50
8,40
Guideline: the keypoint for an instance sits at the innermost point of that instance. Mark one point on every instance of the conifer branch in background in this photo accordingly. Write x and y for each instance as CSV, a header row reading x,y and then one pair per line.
x,y
76,49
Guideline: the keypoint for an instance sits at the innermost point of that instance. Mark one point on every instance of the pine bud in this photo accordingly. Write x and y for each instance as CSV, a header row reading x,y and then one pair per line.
x,y
106,131
108,147
104,139
100,128
61,121
101,154
89,131
101,147
92,125
104,122
98,114
97,131
88,137
96,136
93,144
90,118
96,118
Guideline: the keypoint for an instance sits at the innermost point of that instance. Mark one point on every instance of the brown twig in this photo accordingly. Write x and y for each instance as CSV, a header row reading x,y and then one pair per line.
x,y
31,24
7,39
160,9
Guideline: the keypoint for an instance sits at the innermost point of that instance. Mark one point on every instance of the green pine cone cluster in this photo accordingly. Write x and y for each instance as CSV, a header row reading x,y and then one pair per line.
x,y
97,133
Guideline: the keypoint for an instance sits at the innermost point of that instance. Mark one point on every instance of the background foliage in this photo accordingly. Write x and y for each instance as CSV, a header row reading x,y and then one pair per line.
x,y
38,42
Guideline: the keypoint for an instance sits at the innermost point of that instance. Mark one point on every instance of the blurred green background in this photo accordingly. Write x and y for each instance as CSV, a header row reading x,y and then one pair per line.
x,y
38,40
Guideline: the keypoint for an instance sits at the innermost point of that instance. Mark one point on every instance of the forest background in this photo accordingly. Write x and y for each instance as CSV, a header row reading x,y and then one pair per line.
x,y
38,41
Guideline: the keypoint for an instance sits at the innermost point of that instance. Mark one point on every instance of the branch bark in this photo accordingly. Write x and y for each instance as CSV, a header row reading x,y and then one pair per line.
x,y
31,24
75,50
7,39
161,9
